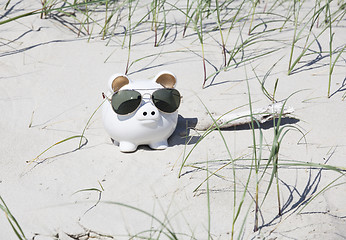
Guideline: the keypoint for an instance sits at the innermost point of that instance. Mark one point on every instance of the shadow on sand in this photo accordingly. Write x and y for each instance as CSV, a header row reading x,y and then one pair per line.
x,y
182,134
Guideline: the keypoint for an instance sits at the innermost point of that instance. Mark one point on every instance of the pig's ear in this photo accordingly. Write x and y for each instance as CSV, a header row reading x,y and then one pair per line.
x,y
117,81
166,79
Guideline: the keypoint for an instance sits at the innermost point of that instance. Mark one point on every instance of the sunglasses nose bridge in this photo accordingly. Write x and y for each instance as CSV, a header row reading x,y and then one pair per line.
x,y
146,95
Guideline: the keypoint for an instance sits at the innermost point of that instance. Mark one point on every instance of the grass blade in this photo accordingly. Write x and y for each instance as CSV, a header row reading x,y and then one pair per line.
x,y
12,220
55,144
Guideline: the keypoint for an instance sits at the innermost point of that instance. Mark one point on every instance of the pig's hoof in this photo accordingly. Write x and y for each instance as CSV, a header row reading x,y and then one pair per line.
x,y
159,145
127,147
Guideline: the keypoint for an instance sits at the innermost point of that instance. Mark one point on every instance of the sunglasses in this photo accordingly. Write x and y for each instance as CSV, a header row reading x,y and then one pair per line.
x,y
127,101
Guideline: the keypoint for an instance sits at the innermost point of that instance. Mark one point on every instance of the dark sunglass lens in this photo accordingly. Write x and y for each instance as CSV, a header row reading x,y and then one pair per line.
x,y
166,99
126,101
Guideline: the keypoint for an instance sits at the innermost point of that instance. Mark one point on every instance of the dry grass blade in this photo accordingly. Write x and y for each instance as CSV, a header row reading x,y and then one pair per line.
x,y
8,3
46,11
55,144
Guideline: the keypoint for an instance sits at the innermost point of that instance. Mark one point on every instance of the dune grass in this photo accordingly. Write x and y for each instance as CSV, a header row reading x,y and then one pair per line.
x,y
259,167
204,19
12,220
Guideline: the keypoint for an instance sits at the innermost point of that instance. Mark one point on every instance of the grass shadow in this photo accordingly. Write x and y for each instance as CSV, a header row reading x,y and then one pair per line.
x,y
342,88
16,51
294,204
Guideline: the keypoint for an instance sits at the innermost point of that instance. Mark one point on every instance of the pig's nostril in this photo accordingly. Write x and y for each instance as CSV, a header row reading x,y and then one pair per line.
x,y
148,113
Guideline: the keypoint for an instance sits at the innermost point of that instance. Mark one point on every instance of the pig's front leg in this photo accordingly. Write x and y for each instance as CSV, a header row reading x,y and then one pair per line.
x,y
127,146
159,145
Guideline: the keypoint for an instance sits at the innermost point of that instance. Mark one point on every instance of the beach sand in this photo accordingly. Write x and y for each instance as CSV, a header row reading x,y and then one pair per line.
x,y
51,83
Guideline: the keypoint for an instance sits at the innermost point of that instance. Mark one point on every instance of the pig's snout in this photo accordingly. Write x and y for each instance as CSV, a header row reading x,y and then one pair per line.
x,y
148,112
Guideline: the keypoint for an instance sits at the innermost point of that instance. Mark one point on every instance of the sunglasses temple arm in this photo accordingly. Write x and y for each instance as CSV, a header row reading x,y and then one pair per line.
x,y
105,97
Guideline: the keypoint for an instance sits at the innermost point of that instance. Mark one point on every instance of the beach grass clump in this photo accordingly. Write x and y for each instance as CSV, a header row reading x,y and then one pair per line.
x,y
316,28
259,168
159,20
263,165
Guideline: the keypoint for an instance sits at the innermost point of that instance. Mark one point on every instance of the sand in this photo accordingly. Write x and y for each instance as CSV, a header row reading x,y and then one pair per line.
x,y
51,83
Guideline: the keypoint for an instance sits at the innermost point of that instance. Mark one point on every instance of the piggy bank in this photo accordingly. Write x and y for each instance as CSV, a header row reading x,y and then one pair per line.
x,y
141,112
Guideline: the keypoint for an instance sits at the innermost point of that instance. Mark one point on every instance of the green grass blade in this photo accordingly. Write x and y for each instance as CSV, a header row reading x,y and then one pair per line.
x,y
208,203
171,235
87,124
12,220
331,69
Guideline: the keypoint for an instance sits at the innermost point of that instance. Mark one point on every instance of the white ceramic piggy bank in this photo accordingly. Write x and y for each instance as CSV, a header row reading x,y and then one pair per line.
x,y
141,112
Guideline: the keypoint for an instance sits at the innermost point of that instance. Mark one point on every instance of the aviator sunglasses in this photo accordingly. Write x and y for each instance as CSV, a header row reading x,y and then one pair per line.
x,y
127,101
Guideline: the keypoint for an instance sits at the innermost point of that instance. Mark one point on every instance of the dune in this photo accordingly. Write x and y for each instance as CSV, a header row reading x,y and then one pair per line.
x,y
61,177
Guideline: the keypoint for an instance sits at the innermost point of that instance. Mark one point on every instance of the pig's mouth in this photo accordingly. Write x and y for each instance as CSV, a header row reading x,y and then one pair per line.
x,y
148,122
148,118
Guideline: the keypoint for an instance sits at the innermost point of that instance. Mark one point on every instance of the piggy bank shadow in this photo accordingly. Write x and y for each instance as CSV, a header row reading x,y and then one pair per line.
x,y
182,134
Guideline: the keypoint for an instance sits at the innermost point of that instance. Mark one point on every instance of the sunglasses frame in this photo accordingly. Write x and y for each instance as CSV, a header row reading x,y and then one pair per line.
x,y
142,97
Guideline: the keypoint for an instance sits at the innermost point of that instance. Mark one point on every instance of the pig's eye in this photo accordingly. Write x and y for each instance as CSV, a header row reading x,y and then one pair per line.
x,y
166,99
126,101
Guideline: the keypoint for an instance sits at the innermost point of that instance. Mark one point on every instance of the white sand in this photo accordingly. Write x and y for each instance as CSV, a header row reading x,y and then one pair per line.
x,y
52,80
